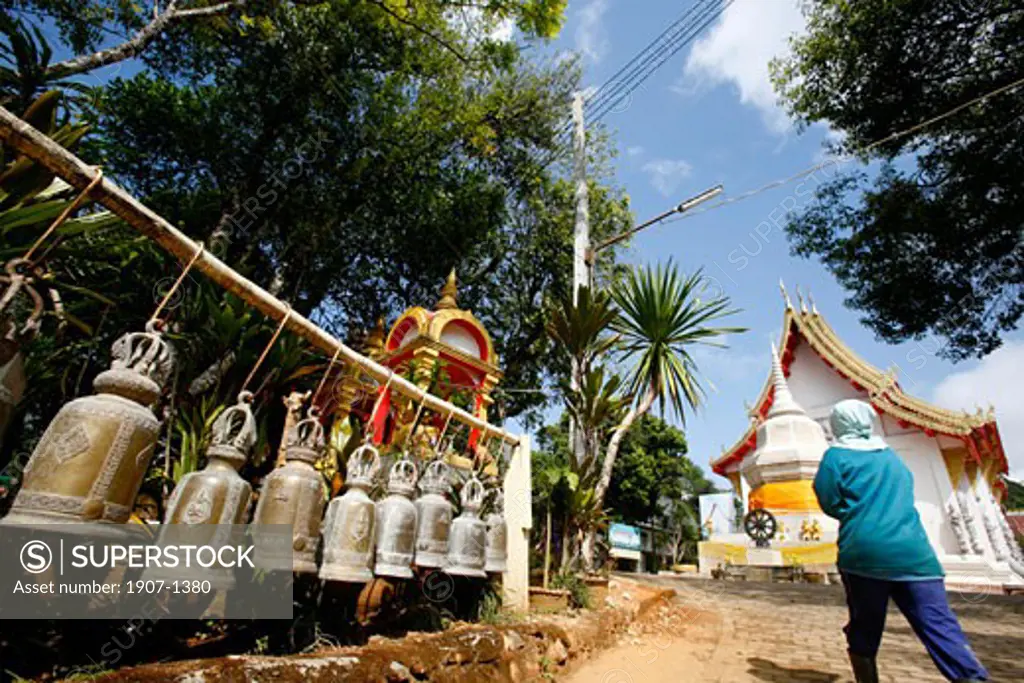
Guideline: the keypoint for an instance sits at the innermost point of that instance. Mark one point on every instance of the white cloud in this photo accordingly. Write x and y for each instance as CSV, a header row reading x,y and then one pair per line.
x,y
997,379
634,151
737,51
667,174
591,37
475,25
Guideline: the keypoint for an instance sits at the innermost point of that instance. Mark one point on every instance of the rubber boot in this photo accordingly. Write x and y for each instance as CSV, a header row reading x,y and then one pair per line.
x,y
864,668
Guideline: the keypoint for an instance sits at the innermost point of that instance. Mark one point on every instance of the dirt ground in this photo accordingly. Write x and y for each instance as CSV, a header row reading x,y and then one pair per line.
x,y
738,632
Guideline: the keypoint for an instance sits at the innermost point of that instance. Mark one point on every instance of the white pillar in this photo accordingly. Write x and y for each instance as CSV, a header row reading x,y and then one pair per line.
x,y
519,518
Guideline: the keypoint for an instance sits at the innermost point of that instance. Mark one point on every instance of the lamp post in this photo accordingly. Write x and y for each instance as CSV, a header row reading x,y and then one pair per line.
x,y
682,207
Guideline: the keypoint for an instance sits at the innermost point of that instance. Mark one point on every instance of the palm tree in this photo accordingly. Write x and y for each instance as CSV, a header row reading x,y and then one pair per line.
x,y
662,316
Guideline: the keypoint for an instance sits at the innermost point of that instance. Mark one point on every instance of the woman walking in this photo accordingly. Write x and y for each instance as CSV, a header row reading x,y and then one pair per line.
x,y
883,550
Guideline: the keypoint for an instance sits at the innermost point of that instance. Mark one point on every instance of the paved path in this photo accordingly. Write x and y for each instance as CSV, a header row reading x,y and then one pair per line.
x,y
737,632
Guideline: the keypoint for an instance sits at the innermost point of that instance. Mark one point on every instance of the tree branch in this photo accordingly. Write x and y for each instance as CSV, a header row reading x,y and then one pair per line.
x,y
141,40
613,444
437,39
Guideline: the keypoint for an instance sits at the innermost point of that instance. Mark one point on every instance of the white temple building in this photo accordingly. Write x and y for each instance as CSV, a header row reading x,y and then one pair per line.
x,y
956,458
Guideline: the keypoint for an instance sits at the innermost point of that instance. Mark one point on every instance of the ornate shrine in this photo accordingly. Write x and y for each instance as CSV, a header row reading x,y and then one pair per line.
x,y
446,350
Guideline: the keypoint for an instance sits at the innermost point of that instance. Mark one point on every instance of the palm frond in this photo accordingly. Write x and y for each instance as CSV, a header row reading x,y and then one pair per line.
x,y
662,316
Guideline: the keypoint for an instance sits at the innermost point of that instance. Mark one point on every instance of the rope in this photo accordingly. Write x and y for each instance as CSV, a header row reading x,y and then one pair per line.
x,y
177,283
65,213
323,379
266,350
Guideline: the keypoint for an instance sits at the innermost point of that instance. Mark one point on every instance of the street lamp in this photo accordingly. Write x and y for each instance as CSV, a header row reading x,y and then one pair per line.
x,y
682,207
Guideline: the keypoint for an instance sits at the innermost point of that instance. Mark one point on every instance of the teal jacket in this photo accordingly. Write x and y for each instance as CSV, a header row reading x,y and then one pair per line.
x,y
871,493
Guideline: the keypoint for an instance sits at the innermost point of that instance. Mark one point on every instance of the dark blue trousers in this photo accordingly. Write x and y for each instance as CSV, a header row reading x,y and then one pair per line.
x,y
924,605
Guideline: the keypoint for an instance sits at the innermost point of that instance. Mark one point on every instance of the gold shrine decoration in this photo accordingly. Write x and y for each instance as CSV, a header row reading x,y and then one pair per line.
x,y
785,495
28,141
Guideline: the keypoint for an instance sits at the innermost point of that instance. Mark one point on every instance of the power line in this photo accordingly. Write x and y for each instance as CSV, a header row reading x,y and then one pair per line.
x,y
602,92
701,14
831,162
666,52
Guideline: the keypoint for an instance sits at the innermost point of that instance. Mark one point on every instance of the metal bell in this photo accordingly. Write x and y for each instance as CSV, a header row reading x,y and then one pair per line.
x,y
469,534
348,529
91,460
396,523
12,337
434,516
216,494
294,494
497,537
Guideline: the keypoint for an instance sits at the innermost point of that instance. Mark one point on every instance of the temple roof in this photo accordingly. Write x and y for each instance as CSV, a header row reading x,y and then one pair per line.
x,y
802,326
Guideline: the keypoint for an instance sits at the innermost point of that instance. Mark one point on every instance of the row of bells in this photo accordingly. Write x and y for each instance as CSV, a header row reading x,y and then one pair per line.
x,y
90,462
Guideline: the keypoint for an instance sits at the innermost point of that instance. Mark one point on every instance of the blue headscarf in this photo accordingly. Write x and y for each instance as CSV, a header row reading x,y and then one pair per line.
x,y
853,426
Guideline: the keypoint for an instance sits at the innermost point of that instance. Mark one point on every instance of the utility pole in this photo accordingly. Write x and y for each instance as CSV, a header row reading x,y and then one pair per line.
x,y
581,249
581,246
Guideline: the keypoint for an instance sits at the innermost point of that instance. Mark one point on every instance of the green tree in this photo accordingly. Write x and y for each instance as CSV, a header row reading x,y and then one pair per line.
x,y
651,319
345,155
662,317
651,472
86,26
931,244
1015,495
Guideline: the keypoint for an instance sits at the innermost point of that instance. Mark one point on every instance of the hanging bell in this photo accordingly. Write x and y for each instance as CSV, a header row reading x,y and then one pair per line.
x,y
13,336
469,534
216,494
396,523
294,494
91,460
497,537
434,516
212,498
348,529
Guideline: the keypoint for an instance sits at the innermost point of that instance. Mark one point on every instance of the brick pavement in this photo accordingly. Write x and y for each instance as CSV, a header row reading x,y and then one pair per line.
x,y
738,632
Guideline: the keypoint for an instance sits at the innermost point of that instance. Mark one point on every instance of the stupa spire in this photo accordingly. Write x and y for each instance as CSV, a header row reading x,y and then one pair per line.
x,y
449,293
783,402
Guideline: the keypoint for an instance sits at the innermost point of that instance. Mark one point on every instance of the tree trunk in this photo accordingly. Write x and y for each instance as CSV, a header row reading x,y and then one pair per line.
x,y
613,444
547,550
587,552
566,542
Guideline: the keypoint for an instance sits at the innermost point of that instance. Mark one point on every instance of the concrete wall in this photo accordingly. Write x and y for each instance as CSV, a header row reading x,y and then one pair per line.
x,y
519,518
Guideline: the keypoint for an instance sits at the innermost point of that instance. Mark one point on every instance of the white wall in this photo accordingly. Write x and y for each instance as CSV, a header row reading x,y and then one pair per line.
x,y
816,386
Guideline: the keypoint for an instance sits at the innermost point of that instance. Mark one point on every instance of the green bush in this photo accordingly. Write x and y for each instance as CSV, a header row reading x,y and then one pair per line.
x,y
579,592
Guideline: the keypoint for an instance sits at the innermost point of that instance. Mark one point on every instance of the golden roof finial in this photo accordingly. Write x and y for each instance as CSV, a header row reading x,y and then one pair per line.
x,y
375,339
785,295
449,293
800,298
814,306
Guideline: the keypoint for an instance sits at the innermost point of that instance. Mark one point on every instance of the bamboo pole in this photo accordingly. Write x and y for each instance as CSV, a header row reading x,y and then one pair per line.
x,y
41,149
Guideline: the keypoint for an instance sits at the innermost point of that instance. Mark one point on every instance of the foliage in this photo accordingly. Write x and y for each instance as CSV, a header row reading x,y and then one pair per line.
x,y
662,316
652,472
579,591
376,159
657,315
931,245
1015,495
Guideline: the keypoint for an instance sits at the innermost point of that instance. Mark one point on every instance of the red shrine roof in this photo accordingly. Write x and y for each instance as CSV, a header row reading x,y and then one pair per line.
x,y
978,432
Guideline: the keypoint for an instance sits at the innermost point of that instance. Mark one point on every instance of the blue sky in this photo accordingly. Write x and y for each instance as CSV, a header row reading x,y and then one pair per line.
x,y
709,116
